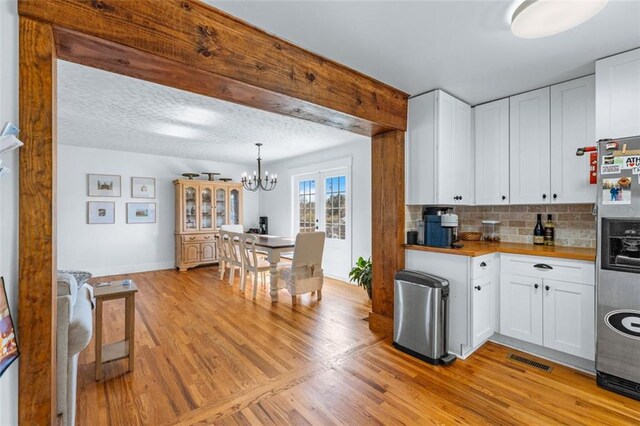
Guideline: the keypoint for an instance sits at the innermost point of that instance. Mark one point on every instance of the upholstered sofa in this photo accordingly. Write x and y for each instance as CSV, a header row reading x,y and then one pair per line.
x,y
73,334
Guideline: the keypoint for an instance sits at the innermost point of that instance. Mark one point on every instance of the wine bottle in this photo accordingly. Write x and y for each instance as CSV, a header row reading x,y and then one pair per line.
x,y
549,232
538,231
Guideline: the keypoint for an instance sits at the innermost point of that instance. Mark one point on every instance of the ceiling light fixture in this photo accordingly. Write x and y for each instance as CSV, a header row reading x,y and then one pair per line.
x,y
255,182
542,18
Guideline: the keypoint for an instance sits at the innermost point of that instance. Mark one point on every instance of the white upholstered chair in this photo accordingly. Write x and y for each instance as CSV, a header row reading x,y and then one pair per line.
x,y
252,263
304,274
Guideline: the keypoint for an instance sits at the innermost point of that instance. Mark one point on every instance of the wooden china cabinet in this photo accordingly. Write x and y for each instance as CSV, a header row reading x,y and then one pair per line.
x,y
202,207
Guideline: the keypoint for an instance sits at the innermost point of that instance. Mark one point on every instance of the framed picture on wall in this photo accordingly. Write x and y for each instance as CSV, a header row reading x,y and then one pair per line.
x,y
141,212
8,344
101,212
142,187
104,186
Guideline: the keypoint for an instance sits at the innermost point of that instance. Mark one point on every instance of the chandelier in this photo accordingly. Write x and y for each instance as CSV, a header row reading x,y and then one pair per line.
x,y
256,182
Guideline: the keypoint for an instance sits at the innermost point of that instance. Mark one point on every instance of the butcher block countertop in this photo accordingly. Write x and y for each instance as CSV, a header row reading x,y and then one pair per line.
x,y
477,248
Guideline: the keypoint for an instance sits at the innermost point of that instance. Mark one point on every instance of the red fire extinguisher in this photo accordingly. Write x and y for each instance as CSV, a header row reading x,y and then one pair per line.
x,y
593,162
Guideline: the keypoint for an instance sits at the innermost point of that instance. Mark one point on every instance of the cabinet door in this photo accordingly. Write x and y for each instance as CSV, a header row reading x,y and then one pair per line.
x,y
208,252
569,321
482,291
235,204
190,207
445,149
420,150
221,206
492,153
572,126
530,147
206,207
454,151
618,95
191,252
521,307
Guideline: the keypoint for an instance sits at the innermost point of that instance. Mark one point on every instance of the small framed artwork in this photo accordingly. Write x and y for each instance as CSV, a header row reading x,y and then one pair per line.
x,y
8,344
142,187
104,186
101,212
141,212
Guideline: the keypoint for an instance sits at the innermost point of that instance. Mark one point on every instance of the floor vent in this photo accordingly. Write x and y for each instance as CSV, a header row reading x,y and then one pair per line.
x,y
530,362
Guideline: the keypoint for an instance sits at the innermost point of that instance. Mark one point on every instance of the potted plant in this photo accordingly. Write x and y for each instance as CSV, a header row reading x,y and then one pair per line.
x,y
361,274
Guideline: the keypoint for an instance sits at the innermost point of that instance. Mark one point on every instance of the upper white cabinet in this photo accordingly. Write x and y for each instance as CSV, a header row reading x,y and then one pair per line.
x,y
572,126
492,152
439,152
618,95
530,177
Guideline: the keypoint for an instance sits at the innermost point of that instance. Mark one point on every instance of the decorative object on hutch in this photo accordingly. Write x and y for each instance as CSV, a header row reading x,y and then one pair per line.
x,y
225,179
191,175
211,176
202,207
257,182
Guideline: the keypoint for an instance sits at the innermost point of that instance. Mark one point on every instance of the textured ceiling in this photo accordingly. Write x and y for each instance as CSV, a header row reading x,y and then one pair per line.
x,y
464,47
99,109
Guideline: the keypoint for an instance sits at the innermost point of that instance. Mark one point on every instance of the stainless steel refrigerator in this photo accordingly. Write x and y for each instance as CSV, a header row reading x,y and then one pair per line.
x,y
618,266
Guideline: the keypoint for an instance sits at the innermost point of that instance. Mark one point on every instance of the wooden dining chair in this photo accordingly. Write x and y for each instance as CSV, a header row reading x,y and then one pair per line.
x,y
252,263
231,256
304,274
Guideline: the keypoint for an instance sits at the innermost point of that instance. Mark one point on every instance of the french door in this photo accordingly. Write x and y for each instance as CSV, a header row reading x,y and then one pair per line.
x,y
322,202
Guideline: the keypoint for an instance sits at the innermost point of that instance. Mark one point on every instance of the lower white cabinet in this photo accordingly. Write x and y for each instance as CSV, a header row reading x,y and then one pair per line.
x,y
483,308
568,318
538,308
521,307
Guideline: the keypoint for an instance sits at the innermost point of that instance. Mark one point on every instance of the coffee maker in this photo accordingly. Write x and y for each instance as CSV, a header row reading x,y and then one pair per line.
x,y
441,227
264,225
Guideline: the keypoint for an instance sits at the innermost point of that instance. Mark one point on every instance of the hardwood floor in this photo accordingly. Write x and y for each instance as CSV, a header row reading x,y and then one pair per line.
x,y
207,354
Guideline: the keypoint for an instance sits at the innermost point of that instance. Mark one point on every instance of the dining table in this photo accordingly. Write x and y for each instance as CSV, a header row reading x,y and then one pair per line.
x,y
274,247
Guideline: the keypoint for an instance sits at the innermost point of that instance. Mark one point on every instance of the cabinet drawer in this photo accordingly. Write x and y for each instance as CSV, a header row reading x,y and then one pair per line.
x,y
575,271
483,266
197,238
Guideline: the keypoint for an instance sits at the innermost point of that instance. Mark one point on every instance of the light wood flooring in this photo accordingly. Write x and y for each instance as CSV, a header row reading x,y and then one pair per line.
x,y
207,354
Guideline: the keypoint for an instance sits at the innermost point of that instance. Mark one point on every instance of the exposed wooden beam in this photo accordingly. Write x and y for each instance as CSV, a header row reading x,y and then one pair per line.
x,y
197,35
94,52
37,290
387,213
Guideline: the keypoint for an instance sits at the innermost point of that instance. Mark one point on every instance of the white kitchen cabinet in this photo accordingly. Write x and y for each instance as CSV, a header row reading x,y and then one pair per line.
x,y
572,126
465,307
618,95
439,152
530,175
569,318
549,302
483,308
521,307
491,124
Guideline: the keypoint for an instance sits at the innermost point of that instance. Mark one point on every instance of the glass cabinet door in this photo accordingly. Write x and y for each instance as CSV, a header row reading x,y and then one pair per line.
x,y
221,207
190,213
206,208
234,207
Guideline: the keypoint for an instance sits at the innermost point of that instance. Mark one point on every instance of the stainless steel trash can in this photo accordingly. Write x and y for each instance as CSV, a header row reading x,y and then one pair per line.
x,y
421,316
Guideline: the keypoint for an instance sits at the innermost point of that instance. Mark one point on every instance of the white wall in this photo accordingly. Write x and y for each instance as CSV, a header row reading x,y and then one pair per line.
x,y
124,248
277,203
9,195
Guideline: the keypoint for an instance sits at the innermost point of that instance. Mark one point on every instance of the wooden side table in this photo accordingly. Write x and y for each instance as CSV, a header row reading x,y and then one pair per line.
x,y
124,348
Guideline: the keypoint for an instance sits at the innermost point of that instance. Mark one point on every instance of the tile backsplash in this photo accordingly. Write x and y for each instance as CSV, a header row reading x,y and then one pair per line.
x,y
575,223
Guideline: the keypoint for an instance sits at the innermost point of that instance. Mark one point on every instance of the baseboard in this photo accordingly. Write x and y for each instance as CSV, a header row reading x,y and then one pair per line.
x,y
381,324
558,357
125,269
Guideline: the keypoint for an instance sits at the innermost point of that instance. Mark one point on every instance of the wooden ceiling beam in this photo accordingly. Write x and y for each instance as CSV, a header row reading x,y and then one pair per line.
x,y
220,48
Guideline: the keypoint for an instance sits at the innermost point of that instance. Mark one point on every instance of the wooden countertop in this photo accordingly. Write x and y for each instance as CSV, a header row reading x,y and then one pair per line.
x,y
477,248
